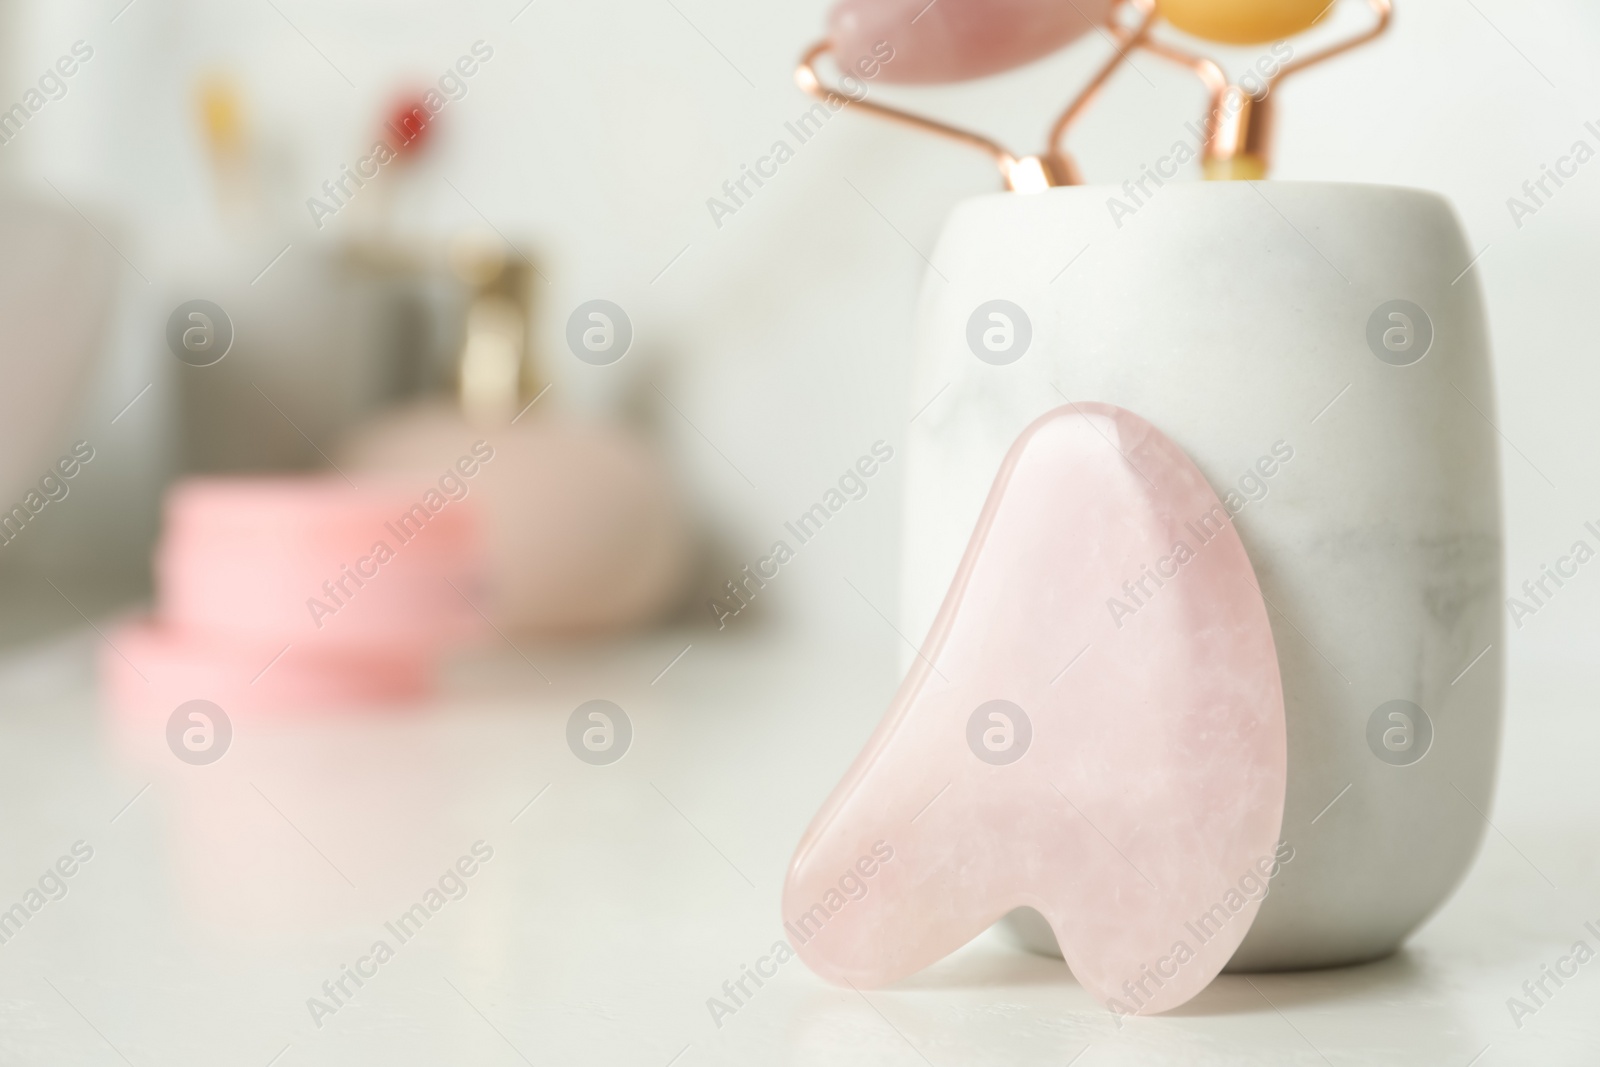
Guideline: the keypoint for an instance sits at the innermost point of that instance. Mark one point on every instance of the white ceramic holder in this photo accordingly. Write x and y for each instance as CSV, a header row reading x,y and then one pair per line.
x,y
1320,351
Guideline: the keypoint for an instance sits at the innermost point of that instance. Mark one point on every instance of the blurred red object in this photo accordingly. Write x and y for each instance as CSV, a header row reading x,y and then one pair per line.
x,y
411,121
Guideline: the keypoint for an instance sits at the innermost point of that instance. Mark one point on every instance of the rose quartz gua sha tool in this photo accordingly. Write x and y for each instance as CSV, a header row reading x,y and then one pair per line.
x,y
1094,728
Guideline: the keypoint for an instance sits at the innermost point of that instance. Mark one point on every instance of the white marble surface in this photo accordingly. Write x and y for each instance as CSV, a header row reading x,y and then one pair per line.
x,y
220,898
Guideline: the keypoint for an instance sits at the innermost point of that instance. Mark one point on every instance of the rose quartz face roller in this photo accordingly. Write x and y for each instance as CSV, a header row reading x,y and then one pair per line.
x,y
953,40
1094,728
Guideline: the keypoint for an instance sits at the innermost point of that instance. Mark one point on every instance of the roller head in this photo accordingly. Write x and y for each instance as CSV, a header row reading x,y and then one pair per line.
x,y
910,41
1242,21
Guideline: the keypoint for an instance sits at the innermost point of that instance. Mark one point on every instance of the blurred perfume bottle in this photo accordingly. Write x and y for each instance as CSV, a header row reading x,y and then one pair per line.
x,y
585,528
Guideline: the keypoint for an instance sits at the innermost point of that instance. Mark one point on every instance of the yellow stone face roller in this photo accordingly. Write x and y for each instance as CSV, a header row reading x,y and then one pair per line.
x,y
1243,21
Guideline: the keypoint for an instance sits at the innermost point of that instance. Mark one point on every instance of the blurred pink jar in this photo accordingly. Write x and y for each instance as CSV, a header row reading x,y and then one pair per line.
x,y
275,593
585,529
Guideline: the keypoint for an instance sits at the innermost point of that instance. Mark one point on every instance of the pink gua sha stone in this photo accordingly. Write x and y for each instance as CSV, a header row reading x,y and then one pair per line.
x,y
1141,809
953,40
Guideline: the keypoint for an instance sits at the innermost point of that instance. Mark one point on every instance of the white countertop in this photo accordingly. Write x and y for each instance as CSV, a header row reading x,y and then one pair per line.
x,y
219,898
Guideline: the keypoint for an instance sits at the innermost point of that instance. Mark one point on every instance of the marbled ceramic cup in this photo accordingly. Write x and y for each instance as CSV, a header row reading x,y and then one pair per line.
x,y
1320,351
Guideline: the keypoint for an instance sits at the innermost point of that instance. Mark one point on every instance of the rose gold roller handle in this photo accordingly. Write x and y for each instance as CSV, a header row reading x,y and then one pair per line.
x,y
1239,129
1024,174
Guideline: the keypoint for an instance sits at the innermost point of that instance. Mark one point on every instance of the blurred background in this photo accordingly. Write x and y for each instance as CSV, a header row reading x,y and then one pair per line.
x,y
770,350
376,333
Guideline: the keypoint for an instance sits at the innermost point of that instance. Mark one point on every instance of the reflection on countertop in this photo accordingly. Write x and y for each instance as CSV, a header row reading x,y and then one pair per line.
x,y
229,908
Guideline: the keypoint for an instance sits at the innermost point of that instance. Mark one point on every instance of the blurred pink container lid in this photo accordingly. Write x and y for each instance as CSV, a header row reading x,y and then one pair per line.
x,y
348,594
155,669
315,559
